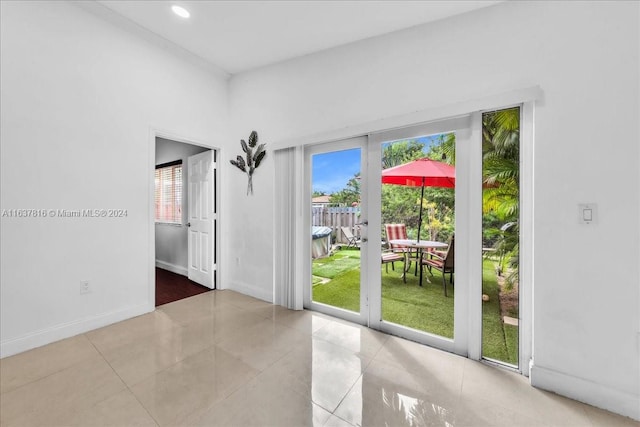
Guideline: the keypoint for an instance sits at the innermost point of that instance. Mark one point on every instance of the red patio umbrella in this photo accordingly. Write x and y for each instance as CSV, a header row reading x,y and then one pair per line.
x,y
421,173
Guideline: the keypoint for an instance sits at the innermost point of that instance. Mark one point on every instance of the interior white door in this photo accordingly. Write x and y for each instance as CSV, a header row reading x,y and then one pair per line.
x,y
201,219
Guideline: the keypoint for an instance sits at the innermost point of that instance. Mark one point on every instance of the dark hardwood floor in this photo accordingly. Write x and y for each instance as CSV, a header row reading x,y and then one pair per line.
x,y
173,287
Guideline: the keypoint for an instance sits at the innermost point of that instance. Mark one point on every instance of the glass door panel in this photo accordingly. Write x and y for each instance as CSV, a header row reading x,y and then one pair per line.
x,y
338,231
500,235
418,202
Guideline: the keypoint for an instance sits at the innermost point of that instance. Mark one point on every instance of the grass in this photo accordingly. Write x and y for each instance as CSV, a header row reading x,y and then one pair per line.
x,y
511,340
499,341
343,291
419,307
424,308
333,266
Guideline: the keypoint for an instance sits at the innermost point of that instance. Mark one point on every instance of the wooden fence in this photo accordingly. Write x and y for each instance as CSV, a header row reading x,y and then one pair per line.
x,y
335,218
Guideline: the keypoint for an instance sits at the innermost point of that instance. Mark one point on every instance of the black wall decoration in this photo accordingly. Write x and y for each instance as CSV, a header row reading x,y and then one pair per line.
x,y
254,156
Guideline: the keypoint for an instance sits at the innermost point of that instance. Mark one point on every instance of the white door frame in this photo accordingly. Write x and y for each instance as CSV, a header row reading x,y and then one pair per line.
x,y
526,285
151,167
462,126
468,305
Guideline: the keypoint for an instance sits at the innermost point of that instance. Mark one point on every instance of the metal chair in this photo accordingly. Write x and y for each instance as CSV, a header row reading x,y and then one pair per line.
x,y
397,232
391,257
352,240
444,264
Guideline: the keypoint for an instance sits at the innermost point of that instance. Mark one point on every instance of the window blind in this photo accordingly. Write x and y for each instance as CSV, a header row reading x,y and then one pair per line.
x,y
168,197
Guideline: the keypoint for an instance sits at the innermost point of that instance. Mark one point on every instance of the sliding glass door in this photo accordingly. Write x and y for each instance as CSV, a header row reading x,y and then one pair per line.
x,y
409,234
421,284
381,246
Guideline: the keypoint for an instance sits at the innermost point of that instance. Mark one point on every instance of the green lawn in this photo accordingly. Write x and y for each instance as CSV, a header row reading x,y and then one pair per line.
x,y
332,266
344,289
424,308
420,307
499,341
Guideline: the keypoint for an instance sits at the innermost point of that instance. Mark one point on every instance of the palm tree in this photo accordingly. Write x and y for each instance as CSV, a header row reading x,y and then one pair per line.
x,y
501,158
501,179
445,149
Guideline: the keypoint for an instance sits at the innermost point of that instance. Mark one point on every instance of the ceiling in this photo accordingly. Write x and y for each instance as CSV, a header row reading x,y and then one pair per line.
x,y
237,36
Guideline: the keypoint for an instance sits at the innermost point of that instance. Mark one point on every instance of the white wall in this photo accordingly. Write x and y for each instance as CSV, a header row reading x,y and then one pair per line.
x,y
172,239
585,57
80,98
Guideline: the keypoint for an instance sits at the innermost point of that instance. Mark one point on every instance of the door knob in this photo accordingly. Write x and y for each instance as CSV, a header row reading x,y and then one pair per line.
x,y
188,224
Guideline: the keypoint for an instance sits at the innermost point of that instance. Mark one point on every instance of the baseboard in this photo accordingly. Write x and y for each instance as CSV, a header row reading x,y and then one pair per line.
x,y
172,268
251,291
69,329
586,391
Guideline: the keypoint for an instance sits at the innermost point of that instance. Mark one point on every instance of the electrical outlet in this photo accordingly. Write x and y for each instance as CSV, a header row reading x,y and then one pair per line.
x,y
85,288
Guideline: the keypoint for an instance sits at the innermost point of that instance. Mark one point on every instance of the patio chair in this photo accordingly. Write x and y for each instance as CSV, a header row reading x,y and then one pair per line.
x,y
352,240
399,231
443,264
391,257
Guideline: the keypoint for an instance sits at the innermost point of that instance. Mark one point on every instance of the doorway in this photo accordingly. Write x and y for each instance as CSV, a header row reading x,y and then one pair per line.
x,y
172,287
185,219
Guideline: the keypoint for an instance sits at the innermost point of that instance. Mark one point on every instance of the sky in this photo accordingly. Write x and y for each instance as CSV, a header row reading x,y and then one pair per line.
x,y
331,171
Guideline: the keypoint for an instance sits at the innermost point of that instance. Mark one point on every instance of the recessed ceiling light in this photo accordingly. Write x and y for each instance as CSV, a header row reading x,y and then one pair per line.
x,y
180,11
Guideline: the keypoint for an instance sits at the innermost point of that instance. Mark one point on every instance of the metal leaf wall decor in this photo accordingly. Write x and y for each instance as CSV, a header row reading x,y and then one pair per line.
x,y
254,154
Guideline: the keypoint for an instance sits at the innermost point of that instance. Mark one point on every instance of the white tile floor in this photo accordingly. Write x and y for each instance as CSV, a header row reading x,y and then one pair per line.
x,y
225,359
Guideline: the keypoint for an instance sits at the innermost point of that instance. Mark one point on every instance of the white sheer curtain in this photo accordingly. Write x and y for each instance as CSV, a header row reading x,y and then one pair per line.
x,y
288,263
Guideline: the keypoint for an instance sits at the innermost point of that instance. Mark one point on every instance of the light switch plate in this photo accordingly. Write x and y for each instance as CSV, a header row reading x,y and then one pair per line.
x,y
587,213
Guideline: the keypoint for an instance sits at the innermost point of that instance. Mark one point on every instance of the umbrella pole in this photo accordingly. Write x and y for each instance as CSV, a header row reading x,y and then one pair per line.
x,y
419,259
420,216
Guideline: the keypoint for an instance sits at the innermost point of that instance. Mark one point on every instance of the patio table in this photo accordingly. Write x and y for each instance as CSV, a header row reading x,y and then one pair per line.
x,y
420,245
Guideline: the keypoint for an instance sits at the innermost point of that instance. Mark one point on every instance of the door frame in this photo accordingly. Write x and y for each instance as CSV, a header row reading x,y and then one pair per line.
x,y
469,345
464,128
340,145
151,246
527,255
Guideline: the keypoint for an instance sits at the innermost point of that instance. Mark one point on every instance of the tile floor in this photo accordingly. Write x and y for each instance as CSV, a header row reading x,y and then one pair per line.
x,y
225,359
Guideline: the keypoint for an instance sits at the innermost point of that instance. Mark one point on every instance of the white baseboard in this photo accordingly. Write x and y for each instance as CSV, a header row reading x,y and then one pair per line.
x,y
172,268
69,329
251,291
586,391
